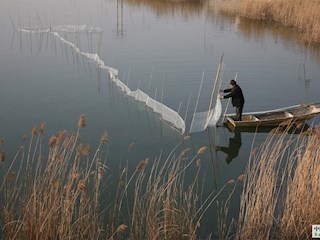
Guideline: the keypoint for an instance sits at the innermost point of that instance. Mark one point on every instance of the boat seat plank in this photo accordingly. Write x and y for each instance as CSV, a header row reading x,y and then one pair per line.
x,y
255,118
287,114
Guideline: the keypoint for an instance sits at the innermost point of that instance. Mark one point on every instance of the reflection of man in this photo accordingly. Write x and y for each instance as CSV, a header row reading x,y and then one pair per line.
x,y
234,146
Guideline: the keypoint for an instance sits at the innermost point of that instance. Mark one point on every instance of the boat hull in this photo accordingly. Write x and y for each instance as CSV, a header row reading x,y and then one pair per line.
x,y
273,118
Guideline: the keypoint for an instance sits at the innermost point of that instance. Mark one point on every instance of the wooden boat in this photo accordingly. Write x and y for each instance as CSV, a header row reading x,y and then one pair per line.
x,y
283,116
267,129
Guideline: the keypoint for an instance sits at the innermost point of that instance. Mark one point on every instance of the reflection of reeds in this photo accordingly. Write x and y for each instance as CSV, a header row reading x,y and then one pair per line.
x,y
59,198
280,198
188,8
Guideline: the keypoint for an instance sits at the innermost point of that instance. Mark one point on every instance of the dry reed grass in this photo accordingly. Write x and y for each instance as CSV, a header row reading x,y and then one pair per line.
x,y
281,188
300,14
58,195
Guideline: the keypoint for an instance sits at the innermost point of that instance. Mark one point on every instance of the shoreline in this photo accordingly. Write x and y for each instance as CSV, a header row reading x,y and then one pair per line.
x,y
300,15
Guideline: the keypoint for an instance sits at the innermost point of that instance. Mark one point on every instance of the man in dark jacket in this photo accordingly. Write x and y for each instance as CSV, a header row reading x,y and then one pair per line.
x,y
236,95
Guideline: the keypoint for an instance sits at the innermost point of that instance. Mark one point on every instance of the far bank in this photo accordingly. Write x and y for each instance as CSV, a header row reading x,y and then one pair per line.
x,y
302,15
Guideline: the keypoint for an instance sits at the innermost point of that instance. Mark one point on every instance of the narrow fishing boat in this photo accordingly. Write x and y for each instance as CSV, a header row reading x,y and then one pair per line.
x,y
283,116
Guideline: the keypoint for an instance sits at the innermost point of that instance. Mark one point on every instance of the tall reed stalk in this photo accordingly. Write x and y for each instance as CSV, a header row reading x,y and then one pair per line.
x,y
58,195
281,189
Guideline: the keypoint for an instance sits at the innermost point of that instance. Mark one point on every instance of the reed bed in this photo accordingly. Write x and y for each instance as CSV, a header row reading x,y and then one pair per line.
x,y
300,14
58,195
281,192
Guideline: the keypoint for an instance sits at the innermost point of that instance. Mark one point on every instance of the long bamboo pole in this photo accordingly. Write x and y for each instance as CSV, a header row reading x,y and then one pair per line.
x,y
187,109
223,69
215,85
195,108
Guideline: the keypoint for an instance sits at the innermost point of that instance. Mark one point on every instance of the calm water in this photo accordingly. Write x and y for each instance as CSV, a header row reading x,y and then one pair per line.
x,y
42,80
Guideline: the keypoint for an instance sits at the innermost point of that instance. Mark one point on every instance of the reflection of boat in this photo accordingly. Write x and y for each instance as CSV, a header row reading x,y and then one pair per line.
x,y
284,116
267,129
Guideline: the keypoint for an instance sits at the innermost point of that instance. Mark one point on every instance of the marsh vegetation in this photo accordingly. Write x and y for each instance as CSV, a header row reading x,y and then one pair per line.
x,y
59,194
302,15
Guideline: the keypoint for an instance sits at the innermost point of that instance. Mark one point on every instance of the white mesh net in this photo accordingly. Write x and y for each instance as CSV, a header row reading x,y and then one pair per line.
x,y
202,120
199,122
167,114
215,116
155,105
63,28
76,28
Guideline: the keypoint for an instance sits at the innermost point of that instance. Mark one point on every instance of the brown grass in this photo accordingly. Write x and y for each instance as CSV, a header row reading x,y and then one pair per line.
x,y
58,195
300,14
281,192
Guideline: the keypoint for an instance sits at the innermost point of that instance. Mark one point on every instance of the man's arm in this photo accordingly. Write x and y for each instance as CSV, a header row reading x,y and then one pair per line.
x,y
229,95
232,93
226,91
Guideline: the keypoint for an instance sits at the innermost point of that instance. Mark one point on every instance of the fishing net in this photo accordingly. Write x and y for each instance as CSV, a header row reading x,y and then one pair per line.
x,y
166,113
155,105
202,120
77,28
216,114
63,28
199,122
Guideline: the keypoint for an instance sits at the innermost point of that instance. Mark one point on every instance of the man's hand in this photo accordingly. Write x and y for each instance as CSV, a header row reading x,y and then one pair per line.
x,y
220,97
220,90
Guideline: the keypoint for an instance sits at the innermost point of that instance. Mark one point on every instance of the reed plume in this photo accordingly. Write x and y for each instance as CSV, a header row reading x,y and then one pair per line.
x,y
104,138
42,127
34,131
241,177
52,141
87,150
198,163
141,165
131,145
202,150
60,198
122,228
82,185
2,156
82,121
231,181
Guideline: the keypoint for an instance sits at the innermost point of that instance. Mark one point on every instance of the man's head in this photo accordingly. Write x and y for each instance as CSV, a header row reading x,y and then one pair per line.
x,y
233,83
